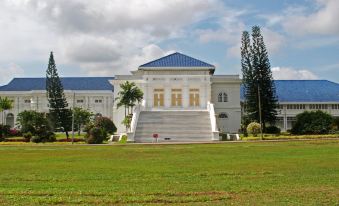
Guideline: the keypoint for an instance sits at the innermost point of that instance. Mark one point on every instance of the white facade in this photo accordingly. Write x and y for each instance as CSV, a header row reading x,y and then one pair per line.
x,y
187,83
288,111
98,102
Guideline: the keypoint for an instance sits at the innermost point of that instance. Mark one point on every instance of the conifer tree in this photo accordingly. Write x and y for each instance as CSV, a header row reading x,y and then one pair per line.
x,y
59,114
257,78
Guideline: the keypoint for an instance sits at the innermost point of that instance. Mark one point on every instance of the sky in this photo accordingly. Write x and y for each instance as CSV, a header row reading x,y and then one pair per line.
x,y
111,37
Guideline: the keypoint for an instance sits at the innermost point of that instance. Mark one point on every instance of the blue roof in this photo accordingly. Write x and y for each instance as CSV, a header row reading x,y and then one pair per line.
x,y
177,60
305,91
69,83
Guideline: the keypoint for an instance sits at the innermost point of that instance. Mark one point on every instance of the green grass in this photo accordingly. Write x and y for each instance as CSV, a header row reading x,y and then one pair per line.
x,y
245,173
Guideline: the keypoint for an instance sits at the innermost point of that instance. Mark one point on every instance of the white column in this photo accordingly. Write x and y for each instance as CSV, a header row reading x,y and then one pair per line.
x,y
185,93
167,95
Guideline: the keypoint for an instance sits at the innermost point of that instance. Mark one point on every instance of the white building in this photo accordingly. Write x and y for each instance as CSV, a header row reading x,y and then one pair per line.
x,y
297,96
93,93
183,99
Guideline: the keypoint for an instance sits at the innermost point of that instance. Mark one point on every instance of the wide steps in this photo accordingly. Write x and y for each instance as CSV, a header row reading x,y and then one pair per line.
x,y
173,126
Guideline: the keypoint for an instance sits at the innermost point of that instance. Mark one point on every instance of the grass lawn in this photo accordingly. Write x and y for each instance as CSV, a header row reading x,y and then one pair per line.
x,y
245,173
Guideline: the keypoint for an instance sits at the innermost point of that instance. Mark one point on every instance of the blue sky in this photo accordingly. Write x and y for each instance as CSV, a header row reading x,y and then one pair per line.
x,y
114,37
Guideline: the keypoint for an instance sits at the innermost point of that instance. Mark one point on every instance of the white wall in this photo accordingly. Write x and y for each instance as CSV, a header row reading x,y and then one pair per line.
x,y
40,102
232,107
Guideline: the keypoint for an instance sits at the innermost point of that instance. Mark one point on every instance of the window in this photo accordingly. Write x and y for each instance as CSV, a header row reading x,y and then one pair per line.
x,y
80,101
98,101
296,106
176,98
225,97
318,106
27,101
194,98
222,97
158,100
335,106
223,115
280,106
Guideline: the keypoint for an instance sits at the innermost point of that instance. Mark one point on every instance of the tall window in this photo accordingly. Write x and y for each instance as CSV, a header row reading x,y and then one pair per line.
x,y
222,97
194,97
176,98
225,97
158,99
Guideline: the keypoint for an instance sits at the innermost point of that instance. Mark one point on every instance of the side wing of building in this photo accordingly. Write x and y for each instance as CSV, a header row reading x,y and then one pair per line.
x,y
92,93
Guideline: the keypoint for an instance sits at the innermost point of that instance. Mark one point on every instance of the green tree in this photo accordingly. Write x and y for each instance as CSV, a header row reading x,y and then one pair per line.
x,y
59,114
257,79
314,122
81,117
5,104
36,124
129,95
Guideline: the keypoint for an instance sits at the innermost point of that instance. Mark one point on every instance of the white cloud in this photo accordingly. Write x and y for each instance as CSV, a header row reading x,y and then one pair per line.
x,y
8,71
109,37
286,73
324,20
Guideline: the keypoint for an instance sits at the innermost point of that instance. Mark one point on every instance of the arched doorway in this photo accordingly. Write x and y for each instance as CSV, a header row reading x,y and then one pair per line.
x,y
10,120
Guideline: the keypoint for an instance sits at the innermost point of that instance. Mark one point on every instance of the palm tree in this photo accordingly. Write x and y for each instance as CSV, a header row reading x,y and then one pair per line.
x,y
129,95
5,104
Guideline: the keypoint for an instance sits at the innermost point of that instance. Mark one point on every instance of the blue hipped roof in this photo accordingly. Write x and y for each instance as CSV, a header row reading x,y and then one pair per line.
x,y
305,91
177,60
69,83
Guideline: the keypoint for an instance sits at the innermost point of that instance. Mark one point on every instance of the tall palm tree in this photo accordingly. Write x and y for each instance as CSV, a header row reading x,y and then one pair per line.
x,y
5,104
129,95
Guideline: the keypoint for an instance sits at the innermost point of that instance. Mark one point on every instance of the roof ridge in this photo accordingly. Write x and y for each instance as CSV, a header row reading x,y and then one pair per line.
x,y
174,61
160,58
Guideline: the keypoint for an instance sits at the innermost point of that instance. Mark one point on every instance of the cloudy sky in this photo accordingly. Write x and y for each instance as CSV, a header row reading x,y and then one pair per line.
x,y
108,37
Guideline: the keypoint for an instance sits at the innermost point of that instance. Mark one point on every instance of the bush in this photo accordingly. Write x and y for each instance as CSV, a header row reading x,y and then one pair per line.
x,y
14,133
314,122
106,124
47,136
253,128
5,130
96,135
27,136
272,130
123,139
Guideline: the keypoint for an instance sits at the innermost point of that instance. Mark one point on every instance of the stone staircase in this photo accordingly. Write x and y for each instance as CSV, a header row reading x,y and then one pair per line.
x,y
173,126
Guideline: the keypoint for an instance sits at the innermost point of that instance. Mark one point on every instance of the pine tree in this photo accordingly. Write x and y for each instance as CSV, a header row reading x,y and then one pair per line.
x,y
59,114
257,78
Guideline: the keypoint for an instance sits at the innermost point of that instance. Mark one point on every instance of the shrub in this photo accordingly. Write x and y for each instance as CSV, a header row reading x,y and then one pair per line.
x,y
336,123
314,122
14,133
106,124
4,131
27,136
96,135
123,139
253,128
44,137
272,130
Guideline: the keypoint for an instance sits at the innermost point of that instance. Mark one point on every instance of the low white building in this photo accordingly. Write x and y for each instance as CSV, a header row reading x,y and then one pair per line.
x,y
92,93
297,96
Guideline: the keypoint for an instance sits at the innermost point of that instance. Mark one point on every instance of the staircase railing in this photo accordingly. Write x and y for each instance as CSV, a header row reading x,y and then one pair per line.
x,y
135,116
215,132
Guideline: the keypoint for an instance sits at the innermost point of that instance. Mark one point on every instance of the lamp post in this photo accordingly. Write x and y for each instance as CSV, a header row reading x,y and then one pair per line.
x,y
73,117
